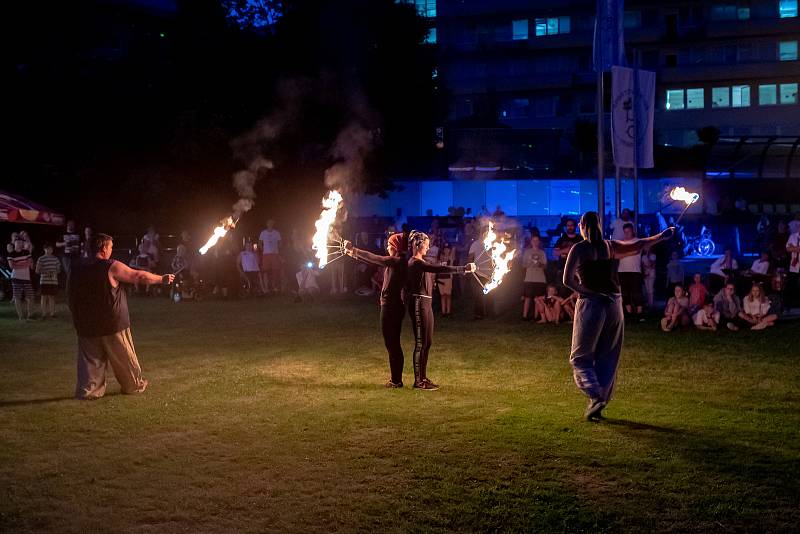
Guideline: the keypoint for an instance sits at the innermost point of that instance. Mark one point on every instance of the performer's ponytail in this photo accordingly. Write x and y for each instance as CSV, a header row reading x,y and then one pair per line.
x,y
416,239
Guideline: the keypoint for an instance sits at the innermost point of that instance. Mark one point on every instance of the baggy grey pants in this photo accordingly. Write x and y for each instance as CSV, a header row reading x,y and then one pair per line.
x,y
94,355
597,334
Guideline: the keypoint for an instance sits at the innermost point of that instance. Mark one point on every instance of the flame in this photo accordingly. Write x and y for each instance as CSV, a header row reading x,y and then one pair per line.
x,y
679,193
501,257
330,207
219,232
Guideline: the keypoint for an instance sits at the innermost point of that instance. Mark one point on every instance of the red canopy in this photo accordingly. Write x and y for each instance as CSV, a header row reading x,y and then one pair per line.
x,y
17,209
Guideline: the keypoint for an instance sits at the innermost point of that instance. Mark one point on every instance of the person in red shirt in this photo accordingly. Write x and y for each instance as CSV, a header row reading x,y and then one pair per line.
x,y
697,294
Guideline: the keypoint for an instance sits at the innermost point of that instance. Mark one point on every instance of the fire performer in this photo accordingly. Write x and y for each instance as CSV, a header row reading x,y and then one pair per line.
x,y
392,309
100,314
597,332
419,301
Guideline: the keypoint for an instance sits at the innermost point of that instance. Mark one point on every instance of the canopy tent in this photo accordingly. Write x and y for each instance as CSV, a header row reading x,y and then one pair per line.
x,y
17,209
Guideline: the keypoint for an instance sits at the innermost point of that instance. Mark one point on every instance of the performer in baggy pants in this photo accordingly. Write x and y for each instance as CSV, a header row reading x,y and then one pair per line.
x,y
419,298
598,329
392,308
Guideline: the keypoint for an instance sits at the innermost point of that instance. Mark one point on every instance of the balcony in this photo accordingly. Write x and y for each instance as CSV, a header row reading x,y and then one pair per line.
x,y
738,72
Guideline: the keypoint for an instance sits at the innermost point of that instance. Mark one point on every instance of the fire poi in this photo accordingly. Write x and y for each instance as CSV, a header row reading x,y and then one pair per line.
x,y
219,232
326,243
496,264
682,195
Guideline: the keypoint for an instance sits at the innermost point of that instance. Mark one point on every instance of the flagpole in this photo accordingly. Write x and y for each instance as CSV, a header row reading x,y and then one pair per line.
x,y
601,191
636,142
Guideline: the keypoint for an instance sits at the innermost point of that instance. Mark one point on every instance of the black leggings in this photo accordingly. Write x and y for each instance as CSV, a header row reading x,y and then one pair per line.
x,y
391,324
421,311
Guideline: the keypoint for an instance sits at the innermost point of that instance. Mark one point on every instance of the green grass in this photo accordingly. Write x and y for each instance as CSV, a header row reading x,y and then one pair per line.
x,y
270,416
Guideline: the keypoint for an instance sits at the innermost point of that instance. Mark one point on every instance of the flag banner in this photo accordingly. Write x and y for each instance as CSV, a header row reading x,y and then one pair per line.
x,y
633,95
609,40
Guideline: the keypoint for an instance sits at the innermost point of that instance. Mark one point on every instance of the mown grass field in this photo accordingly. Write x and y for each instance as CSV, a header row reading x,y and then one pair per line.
x,y
270,416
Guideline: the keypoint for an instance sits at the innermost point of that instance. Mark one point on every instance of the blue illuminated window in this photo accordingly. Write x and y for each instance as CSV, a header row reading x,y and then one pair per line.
x,y
740,96
552,26
436,197
502,193
565,197
431,37
767,95
787,51
675,99
695,98
533,197
787,8
788,93
721,97
519,29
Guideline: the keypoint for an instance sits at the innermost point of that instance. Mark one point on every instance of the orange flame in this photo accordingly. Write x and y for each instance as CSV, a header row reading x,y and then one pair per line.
x,y
679,193
330,207
501,258
219,232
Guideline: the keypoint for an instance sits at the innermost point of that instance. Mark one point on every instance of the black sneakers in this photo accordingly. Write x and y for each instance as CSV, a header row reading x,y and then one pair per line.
x,y
594,410
393,385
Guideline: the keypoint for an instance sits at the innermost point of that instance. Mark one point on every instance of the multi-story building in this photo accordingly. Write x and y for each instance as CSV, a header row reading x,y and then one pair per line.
x,y
520,75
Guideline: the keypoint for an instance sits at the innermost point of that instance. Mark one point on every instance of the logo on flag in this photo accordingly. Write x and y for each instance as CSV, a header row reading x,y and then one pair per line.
x,y
632,114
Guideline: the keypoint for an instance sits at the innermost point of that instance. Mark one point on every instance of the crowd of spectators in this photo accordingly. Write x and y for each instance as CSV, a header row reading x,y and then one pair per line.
x,y
266,265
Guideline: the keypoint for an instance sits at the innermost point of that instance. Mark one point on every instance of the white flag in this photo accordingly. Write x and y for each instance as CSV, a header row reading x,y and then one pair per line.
x,y
632,114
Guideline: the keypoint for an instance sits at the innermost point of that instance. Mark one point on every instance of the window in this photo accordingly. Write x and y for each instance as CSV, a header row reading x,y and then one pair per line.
x,y
720,97
788,93
633,19
519,29
743,13
426,8
675,99
787,51
787,8
431,37
740,96
552,26
695,98
767,95
515,108
723,12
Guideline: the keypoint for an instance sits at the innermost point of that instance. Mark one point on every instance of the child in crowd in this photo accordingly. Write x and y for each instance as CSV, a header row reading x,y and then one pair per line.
x,y
649,274
20,262
728,304
756,309
675,274
307,286
707,318
249,270
677,310
548,307
143,262
48,268
697,294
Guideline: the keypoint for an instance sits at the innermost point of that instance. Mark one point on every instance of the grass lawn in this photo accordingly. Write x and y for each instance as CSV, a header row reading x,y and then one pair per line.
x,y
270,416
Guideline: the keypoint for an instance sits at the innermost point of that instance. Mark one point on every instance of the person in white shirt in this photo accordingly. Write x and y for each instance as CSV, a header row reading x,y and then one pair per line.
x,y
618,225
718,278
534,261
270,240
761,265
755,309
630,277
793,281
706,318
307,286
249,271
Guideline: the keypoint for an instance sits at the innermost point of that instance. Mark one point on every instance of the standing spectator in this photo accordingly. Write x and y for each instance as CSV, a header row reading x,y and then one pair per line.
x,y
706,318
534,260
677,310
722,269
564,244
86,245
675,273
793,280
48,268
794,224
697,294
618,225
728,304
444,281
756,309
649,274
180,263
71,243
247,265
777,245
271,260
152,243
21,262
630,277
143,262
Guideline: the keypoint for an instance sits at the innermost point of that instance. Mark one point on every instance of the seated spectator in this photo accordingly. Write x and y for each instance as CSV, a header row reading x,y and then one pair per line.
x,y
675,273
756,309
728,304
568,306
761,265
548,307
706,318
722,269
677,310
697,294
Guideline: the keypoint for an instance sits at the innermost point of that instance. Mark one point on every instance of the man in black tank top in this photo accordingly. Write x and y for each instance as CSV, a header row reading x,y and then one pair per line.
x,y
99,309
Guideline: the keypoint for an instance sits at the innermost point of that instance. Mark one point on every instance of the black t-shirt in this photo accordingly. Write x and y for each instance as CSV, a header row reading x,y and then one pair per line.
x,y
98,309
421,275
394,274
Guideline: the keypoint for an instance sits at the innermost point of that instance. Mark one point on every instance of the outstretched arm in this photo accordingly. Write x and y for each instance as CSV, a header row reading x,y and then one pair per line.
x,y
623,249
369,257
123,273
447,269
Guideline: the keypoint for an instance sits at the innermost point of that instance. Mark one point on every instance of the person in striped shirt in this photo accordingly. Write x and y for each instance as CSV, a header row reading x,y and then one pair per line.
x,y
48,268
20,262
